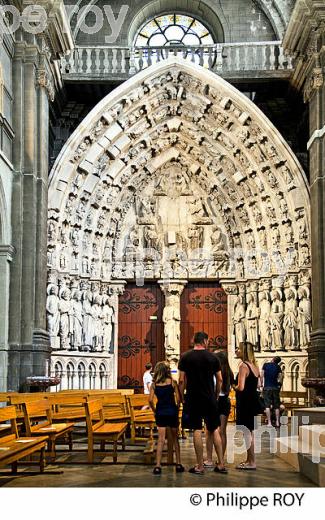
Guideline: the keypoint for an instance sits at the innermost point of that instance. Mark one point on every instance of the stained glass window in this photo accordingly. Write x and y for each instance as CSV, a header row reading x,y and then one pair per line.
x,y
173,30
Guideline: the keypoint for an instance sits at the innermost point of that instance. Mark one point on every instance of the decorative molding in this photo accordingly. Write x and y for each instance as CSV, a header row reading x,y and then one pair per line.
x,y
43,81
318,134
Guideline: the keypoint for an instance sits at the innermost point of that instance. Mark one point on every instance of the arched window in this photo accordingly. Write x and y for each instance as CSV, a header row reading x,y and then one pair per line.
x,y
173,30
103,376
58,372
81,376
295,373
70,376
92,376
174,34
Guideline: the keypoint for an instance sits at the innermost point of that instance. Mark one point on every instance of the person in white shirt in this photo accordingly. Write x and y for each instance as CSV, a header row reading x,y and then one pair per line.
x,y
147,378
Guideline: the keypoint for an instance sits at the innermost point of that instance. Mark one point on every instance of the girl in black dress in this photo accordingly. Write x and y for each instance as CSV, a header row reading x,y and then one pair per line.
x,y
165,389
247,406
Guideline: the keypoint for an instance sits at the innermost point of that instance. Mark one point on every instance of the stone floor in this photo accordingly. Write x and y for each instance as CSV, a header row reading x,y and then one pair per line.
x,y
130,471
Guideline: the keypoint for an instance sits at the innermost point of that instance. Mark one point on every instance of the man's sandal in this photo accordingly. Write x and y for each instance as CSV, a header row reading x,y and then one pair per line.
x,y
157,470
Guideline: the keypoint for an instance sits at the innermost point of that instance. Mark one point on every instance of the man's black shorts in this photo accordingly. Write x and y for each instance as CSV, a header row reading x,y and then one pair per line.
x,y
194,413
271,397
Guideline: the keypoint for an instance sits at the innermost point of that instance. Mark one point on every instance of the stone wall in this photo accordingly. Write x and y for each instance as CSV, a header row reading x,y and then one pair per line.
x,y
237,21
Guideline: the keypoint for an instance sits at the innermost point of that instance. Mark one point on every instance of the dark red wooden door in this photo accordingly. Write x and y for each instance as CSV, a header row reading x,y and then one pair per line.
x,y
140,333
204,308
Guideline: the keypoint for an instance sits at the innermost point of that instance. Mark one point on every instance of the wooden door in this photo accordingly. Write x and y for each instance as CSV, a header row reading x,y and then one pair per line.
x,y
204,308
140,333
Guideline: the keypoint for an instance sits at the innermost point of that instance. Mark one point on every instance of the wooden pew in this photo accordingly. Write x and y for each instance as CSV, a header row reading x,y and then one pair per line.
x,y
13,448
115,407
38,421
98,429
141,418
66,407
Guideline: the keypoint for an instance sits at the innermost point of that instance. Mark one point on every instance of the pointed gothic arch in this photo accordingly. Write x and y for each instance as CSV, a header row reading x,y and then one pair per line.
x,y
172,167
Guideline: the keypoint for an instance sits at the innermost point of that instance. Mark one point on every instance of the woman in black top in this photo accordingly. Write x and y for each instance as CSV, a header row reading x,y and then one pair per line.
x,y
165,389
247,405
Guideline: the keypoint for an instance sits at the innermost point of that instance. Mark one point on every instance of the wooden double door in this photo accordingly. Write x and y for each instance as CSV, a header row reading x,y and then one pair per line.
x,y
141,329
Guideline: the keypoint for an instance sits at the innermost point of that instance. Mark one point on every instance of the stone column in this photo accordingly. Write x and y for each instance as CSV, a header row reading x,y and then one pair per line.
x,y
6,255
316,146
172,290
29,342
231,291
115,290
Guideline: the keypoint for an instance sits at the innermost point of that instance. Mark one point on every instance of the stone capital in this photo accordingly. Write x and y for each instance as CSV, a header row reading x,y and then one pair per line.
x,y
172,287
116,288
313,83
7,252
43,80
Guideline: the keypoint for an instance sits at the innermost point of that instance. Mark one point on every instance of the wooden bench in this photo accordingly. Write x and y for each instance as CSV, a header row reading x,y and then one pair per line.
x,y
13,448
38,421
67,407
99,430
115,407
141,418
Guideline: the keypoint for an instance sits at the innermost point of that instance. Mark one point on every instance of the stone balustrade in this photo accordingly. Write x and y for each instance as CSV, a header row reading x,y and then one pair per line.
x,y
226,59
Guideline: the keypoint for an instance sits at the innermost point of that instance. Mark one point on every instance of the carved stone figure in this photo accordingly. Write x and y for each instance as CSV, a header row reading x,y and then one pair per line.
x,y
304,317
195,236
52,308
276,320
290,325
88,326
239,320
65,318
97,324
218,241
77,319
252,314
172,320
108,317
264,321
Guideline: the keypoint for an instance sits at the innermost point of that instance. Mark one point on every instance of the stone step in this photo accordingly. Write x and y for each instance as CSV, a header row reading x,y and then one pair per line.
x,y
312,437
287,449
315,415
291,450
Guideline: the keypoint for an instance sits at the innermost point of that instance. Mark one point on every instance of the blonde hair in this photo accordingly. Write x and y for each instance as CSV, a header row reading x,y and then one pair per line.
x,y
162,372
247,352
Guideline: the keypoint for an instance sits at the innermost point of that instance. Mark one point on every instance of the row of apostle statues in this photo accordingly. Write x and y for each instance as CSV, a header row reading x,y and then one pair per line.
x,y
79,319
279,320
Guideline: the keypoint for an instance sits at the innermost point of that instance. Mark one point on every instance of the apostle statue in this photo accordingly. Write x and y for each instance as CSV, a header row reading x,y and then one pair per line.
x,y
276,320
108,317
264,321
88,325
304,316
252,314
290,324
76,337
65,309
53,313
172,320
239,320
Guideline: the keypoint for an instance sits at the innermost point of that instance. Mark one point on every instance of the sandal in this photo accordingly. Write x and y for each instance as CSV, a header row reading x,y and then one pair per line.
x,y
157,470
207,464
220,470
179,468
196,471
245,466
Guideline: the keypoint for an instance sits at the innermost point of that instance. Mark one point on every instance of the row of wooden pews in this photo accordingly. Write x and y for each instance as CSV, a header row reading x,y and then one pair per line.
x,y
107,415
